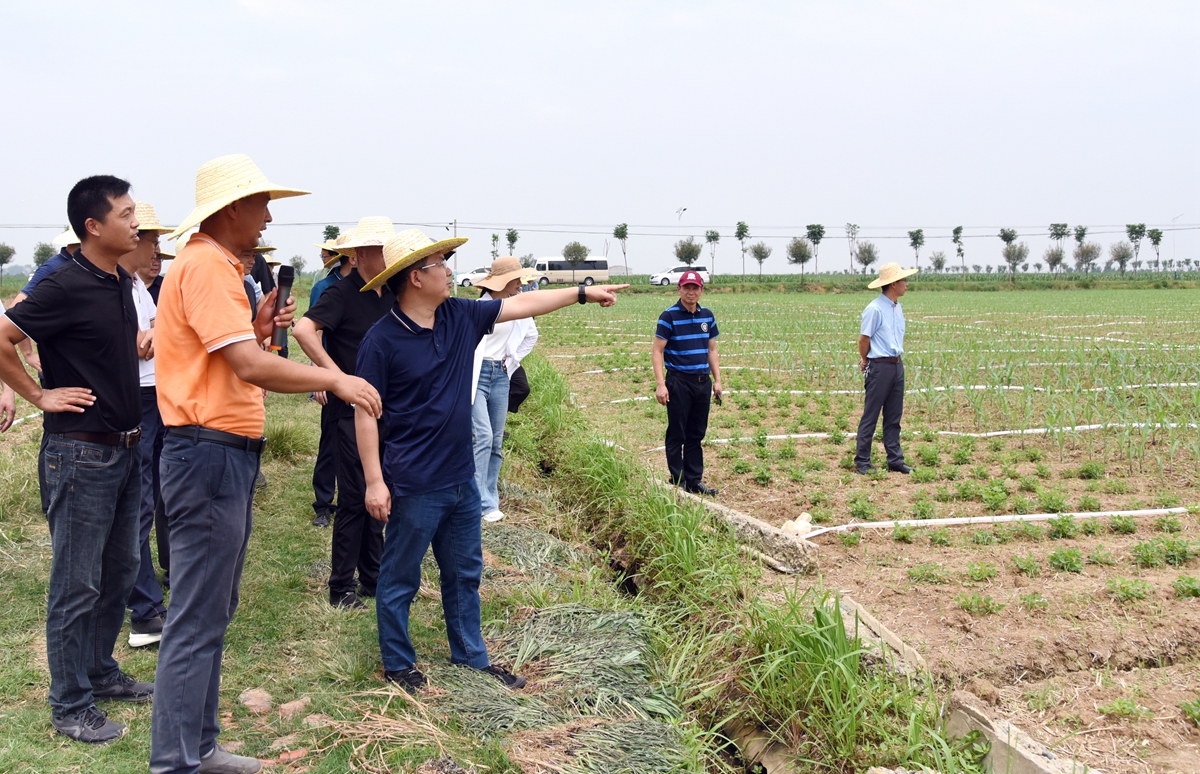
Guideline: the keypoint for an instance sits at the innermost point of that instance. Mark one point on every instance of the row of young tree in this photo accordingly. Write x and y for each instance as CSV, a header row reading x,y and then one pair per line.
x,y
802,250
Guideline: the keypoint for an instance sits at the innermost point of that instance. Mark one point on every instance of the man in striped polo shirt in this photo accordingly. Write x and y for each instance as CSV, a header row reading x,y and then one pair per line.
x,y
688,372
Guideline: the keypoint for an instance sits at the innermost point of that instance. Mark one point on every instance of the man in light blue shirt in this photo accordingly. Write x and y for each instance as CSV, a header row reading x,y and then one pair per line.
x,y
881,351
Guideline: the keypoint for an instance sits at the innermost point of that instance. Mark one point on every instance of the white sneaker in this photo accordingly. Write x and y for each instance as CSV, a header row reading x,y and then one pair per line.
x,y
493,515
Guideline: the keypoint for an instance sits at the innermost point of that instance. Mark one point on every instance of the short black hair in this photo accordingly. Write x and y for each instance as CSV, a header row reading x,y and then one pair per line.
x,y
92,198
399,281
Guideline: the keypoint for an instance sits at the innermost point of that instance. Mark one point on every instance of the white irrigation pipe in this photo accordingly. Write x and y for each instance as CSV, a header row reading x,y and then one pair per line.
x,y
987,520
992,434
22,419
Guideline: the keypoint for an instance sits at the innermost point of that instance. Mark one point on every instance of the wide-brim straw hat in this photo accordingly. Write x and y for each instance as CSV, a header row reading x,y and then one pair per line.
x,y
504,270
65,238
165,255
225,180
329,245
405,249
889,273
372,231
265,249
147,218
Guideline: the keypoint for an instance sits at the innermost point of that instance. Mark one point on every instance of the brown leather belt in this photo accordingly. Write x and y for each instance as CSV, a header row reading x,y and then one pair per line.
x,y
125,440
884,359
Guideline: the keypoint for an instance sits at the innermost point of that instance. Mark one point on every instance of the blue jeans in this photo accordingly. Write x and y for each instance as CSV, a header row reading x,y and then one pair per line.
x,y
94,491
449,520
146,599
488,414
208,491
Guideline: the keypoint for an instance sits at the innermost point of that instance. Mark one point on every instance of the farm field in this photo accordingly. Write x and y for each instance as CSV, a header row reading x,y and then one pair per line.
x,y
1083,631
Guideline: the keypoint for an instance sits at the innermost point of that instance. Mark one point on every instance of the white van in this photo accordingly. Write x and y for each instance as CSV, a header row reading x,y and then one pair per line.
x,y
558,270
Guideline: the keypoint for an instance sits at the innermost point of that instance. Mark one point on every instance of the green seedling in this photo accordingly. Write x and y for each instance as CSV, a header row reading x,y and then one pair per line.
x,y
1128,589
1122,525
1034,602
978,604
981,572
1066,560
940,537
927,573
1028,565
1186,587
1062,527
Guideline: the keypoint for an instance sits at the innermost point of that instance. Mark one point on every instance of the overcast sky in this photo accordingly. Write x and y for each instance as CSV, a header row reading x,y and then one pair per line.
x,y
562,119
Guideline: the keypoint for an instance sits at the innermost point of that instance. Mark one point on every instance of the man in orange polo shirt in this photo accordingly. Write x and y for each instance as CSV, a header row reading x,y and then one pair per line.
x,y
211,373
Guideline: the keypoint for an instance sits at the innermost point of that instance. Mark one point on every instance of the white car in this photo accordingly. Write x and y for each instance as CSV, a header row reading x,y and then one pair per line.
x,y
473,276
671,276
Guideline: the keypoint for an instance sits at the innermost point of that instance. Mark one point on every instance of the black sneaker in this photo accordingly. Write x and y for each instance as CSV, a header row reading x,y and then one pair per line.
x,y
364,592
411,680
260,482
321,519
703,489
503,675
346,601
143,633
864,470
123,688
901,468
90,725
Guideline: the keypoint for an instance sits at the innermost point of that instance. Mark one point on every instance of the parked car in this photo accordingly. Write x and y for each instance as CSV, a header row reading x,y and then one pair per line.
x,y
473,276
585,272
671,276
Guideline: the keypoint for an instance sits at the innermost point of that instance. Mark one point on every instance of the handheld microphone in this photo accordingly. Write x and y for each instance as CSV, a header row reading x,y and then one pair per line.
x,y
286,275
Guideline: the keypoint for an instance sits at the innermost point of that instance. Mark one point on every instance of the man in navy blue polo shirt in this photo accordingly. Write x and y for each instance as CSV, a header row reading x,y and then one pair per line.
x,y
688,373
420,358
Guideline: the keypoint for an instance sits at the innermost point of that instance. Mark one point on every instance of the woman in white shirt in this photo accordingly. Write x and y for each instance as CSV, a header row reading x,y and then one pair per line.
x,y
498,355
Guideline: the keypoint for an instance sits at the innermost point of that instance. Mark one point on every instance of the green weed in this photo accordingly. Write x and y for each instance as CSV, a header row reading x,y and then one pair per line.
x,y
980,572
1123,708
927,573
940,537
1033,602
1122,525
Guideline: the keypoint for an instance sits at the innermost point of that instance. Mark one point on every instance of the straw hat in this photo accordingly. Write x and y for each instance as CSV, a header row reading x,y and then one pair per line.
x,y
373,231
504,270
405,249
265,249
65,238
147,218
225,180
164,254
889,273
330,246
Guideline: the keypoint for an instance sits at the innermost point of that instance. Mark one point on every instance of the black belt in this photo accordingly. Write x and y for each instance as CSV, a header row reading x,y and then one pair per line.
x,y
198,433
671,372
884,359
126,440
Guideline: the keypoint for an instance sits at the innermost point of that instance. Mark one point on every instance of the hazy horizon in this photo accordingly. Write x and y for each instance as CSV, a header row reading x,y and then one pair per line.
x,y
562,120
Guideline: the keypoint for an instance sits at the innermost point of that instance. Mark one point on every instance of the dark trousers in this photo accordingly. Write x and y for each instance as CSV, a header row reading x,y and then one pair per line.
x,y
43,487
162,537
884,385
687,422
324,478
146,598
94,494
448,520
518,389
208,490
357,538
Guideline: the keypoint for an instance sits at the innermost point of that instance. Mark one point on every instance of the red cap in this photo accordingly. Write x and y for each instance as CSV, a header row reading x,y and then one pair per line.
x,y
691,278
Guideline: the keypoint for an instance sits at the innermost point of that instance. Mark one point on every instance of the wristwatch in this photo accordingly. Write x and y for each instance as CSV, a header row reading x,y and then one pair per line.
x,y
582,295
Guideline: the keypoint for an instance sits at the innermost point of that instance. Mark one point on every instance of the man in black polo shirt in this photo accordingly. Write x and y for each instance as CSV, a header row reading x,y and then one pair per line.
x,y
344,314
685,347
85,324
